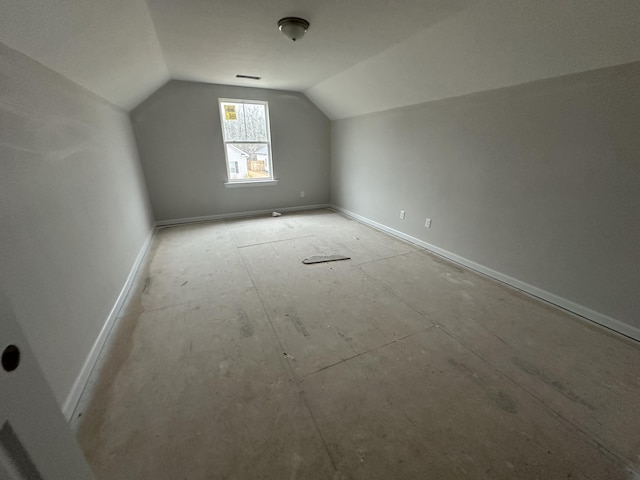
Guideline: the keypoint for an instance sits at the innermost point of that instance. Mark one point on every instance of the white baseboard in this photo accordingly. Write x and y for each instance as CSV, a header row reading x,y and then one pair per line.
x,y
582,311
222,216
81,380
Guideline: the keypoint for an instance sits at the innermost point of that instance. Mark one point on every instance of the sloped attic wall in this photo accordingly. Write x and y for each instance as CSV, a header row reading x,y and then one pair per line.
x,y
74,214
538,182
181,149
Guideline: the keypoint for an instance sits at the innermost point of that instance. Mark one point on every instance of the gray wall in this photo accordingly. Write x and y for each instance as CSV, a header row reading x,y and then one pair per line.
x,y
73,209
540,182
180,143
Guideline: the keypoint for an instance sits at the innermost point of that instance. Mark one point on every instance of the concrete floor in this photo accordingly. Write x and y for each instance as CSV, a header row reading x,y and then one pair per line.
x,y
233,360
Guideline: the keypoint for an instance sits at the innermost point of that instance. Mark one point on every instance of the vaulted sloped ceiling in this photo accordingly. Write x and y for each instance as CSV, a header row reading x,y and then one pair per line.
x,y
490,45
359,56
108,46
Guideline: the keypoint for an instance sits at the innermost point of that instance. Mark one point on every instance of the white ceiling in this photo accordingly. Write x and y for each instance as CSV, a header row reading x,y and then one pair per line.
x,y
212,41
359,56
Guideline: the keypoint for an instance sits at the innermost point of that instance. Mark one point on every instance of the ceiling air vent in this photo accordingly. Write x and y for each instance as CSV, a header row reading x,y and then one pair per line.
x,y
250,77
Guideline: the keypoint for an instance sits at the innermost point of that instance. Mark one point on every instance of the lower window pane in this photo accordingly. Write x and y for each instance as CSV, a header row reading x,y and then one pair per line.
x,y
248,161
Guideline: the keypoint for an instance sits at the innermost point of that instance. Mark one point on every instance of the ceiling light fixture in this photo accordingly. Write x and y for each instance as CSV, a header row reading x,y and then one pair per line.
x,y
293,27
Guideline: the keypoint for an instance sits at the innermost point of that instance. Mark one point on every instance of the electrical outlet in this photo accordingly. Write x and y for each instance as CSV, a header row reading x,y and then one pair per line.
x,y
302,194
427,223
402,214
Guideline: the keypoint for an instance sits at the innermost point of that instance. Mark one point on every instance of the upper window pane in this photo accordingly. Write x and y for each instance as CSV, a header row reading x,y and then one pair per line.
x,y
244,122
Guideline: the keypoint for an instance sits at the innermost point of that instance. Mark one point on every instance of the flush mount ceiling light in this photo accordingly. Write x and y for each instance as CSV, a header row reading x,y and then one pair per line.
x,y
293,27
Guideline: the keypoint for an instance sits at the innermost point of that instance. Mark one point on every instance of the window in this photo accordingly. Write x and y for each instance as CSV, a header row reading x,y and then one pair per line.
x,y
247,141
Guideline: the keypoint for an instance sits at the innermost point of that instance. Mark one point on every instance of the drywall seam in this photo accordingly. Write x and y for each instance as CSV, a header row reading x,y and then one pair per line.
x,y
78,387
592,315
252,213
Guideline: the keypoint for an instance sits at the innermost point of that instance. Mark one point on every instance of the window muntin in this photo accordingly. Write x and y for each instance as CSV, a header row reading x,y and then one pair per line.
x,y
247,140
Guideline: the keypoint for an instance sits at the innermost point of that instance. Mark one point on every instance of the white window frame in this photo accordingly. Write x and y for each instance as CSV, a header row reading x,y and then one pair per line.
x,y
245,182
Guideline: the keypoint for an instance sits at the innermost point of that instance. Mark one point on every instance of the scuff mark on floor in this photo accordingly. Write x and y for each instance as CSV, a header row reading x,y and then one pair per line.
x,y
532,370
246,328
499,397
297,323
147,285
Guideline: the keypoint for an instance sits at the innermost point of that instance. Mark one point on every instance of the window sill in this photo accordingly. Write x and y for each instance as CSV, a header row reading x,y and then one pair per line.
x,y
253,183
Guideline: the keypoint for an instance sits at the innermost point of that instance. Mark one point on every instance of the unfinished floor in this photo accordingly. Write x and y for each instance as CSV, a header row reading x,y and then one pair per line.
x,y
233,360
